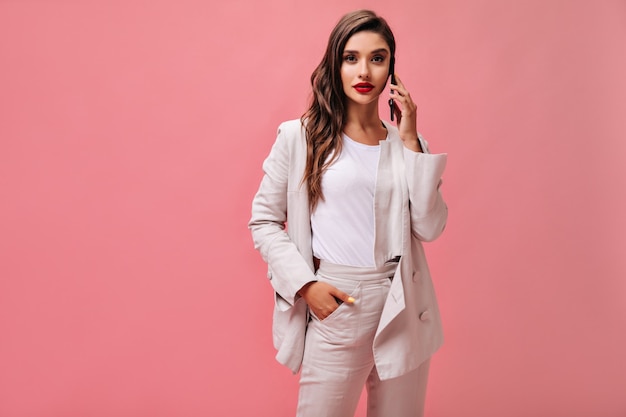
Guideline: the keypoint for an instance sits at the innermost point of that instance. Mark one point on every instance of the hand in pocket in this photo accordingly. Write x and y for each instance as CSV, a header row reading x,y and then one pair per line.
x,y
323,298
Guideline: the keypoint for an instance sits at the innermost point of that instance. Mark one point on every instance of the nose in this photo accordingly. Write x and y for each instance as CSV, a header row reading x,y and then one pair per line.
x,y
364,70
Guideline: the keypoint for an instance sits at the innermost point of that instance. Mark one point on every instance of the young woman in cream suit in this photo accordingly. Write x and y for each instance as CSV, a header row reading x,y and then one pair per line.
x,y
340,216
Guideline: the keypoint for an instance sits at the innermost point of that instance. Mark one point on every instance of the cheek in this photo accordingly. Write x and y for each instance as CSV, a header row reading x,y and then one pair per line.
x,y
384,72
346,74
382,77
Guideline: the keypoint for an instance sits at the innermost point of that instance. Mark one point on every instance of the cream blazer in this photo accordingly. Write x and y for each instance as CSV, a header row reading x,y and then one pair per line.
x,y
408,209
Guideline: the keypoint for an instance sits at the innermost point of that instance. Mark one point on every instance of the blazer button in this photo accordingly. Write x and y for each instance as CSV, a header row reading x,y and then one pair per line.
x,y
424,315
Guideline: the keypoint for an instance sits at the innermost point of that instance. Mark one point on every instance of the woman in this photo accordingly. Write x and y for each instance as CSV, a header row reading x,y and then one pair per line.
x,y
355,304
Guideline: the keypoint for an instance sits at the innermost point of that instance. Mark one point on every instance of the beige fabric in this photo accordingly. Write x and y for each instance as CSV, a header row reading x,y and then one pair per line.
x,y
338,357
409,211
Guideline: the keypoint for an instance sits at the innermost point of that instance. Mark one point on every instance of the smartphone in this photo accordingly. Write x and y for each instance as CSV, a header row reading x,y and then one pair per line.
x,y
392,71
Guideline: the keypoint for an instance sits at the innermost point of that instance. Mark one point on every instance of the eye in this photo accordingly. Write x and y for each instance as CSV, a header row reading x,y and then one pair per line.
x,y
378,58
349,58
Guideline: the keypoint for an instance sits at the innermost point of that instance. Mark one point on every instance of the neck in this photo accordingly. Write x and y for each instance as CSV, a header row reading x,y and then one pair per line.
x,y
365,115
363,123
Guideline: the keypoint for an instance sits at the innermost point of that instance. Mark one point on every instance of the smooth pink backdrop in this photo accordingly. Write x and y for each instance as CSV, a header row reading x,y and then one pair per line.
x,y
131,140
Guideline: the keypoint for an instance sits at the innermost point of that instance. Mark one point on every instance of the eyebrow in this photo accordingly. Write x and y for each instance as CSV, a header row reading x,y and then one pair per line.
x,y
375,51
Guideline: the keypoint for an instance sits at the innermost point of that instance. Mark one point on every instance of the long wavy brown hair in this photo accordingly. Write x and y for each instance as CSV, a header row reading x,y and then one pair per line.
x,y
325,119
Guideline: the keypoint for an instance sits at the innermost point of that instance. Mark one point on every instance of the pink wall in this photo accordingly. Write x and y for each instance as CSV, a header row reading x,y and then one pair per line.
x,y
131,140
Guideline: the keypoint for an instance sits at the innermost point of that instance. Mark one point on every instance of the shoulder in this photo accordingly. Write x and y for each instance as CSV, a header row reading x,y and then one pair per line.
x,y
291,127
394,137
291,134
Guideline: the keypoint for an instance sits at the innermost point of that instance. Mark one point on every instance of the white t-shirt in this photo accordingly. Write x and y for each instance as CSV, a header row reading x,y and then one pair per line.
x,y
343,223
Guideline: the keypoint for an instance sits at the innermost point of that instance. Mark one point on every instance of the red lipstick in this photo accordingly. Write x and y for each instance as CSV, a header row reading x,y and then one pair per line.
x,y
363,88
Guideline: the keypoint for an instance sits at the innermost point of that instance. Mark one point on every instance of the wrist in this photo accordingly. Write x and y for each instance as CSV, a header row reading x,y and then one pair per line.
x,y
302,291
413,144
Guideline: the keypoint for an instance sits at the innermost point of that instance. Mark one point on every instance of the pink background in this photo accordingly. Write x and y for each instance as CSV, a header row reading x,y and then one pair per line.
x,y
131,140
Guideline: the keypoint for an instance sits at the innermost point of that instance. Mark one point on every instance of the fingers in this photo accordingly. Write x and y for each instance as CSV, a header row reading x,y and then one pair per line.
x,y
405,111
342,296
398,88
401,94
322,298
398,112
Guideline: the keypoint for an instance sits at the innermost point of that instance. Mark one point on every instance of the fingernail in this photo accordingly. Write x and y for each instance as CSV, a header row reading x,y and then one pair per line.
x,y
351,299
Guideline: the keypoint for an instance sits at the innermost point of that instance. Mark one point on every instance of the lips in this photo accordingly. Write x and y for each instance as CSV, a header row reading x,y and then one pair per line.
x,y
363,87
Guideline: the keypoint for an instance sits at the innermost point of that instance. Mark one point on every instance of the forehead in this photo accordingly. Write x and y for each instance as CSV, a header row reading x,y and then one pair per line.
x,y
366,41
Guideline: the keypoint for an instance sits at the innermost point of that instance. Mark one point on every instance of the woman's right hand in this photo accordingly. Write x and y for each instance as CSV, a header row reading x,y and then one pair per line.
x,y
322,298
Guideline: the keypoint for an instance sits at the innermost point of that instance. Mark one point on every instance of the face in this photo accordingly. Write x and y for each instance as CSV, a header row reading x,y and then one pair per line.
x,y
365,67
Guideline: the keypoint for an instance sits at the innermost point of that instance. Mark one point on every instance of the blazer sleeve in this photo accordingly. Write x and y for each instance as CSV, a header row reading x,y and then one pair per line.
x,y
288,271
429,211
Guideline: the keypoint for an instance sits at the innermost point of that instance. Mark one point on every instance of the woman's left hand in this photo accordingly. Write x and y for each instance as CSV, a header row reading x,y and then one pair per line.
x,y
406,115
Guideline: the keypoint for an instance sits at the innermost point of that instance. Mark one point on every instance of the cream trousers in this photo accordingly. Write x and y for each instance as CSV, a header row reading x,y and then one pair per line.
x,y
338,357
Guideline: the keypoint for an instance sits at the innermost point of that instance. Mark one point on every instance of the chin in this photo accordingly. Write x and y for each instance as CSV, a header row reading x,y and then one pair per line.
x,y
364,99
